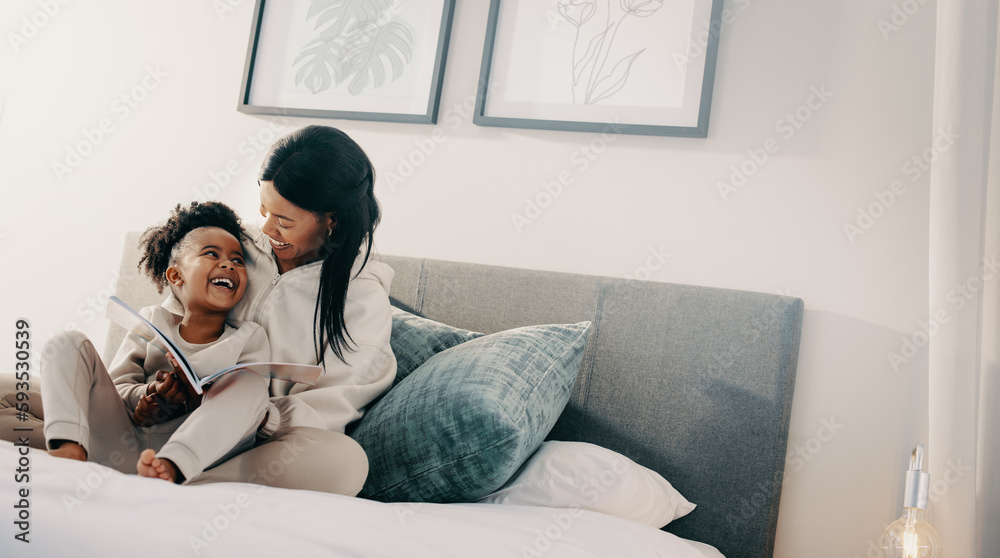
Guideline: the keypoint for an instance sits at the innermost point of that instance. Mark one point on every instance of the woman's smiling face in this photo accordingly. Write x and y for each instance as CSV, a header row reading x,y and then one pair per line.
x,y
295,234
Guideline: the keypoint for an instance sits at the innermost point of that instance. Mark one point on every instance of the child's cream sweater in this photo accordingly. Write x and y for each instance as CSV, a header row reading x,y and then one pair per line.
x,y
284,305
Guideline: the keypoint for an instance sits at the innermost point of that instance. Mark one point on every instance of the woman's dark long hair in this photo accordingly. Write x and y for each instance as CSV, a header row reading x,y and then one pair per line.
x,y
321,169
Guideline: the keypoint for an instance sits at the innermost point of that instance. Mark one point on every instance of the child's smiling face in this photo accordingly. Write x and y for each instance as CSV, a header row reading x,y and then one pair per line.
x,y
209,275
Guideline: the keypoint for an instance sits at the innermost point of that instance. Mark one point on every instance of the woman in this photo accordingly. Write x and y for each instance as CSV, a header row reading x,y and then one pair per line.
x,y
321,299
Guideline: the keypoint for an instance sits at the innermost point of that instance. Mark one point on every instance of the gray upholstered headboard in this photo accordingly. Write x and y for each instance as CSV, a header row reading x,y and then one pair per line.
x,y
693,382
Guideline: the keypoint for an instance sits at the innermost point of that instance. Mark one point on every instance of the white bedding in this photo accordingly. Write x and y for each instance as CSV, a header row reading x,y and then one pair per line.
x,y
83,509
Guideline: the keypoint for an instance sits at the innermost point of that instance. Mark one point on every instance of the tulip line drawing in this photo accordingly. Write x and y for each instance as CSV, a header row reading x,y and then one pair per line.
x,y
356,40
592,81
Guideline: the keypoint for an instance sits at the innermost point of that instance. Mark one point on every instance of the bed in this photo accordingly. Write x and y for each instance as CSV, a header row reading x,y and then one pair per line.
x,y
692,383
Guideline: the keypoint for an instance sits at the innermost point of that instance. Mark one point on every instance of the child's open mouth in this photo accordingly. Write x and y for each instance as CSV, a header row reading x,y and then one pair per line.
x,y
223,283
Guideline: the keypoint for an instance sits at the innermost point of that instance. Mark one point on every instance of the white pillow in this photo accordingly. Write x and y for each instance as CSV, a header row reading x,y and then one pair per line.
x,y
589,477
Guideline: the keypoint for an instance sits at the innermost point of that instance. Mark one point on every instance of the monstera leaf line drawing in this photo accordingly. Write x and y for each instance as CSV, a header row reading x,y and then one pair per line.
x,y
320,58
370,47
336,14
358,41
333,17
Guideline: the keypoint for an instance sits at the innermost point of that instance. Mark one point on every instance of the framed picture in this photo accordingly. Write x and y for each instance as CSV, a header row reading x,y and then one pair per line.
x,y
626,66
352,59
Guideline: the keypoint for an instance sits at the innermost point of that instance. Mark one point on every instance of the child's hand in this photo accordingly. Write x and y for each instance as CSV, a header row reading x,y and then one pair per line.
x,y
191,398
148,412
169,389
167,397
163,401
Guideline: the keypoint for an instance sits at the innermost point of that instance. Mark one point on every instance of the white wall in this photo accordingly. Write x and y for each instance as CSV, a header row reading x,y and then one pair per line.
x,y
61,238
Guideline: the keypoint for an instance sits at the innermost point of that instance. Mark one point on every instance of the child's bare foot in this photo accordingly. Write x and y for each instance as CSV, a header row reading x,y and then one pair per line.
x,y
68,450
153,467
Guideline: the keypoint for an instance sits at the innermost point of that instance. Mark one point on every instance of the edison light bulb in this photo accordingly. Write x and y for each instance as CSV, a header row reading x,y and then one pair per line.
x,y
911,536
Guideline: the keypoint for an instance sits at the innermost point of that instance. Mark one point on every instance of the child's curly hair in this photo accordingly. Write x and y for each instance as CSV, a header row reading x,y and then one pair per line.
x,y
162,245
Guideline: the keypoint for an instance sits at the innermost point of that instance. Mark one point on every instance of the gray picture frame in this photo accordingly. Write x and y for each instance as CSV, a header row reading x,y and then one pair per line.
x,y
699,131
433,102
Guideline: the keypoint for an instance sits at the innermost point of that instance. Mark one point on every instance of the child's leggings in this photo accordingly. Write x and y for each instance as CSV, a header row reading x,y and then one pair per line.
x,y
82,405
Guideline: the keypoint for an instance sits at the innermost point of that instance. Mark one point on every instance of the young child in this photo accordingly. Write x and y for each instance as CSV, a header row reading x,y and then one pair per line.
x,y
142,400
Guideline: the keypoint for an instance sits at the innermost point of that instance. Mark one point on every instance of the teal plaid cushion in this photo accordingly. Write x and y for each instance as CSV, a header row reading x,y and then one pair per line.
x,y
415,339
464,421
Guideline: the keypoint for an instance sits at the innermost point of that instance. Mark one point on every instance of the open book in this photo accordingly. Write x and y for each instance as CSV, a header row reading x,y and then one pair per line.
x,y
123,315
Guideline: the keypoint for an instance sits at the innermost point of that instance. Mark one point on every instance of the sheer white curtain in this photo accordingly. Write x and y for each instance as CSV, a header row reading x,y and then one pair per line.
x,y
964,430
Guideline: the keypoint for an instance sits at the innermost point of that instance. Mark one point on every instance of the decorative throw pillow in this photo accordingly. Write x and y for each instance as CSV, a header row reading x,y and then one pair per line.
x,y
463,422
415,339
590,477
